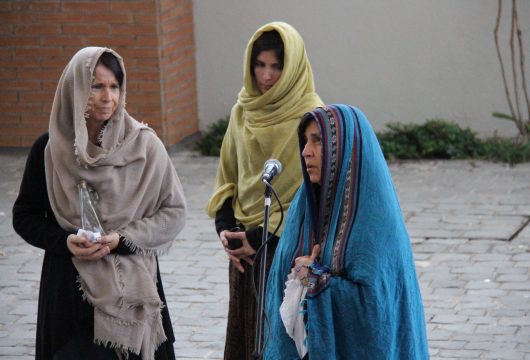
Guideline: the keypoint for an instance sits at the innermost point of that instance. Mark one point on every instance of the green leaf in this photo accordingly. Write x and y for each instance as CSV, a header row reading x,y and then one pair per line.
x,y
503,116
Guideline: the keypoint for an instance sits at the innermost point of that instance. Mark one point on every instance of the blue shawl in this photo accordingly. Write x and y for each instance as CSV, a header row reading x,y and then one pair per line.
x,y
369,305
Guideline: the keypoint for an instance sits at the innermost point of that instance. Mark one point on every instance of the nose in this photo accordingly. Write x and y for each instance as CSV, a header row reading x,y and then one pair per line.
x,y
307,150
106,94
267,74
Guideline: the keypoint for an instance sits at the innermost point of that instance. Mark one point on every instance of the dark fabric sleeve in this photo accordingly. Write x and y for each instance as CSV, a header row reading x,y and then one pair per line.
x,y
254,238
224,218
33,218
122,248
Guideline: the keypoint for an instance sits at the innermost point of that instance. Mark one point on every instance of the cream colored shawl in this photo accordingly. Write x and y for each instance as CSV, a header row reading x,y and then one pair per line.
x,y
263,127
140,197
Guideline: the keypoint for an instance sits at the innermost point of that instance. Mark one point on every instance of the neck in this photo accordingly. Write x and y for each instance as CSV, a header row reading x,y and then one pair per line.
x,y
93,129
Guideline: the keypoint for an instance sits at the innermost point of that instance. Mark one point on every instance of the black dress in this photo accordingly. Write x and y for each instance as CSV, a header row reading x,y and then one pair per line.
x,y
242,307
63,315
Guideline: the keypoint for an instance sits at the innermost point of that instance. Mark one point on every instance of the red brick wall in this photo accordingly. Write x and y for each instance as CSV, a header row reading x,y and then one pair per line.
x,y
155,38
178,67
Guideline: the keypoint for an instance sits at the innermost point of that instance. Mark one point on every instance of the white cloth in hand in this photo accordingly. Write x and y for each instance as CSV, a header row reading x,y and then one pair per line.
x,y
292,312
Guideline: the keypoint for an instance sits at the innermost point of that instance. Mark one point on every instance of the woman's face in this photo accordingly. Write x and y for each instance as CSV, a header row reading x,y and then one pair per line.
x,y
104,95
267,70
312,152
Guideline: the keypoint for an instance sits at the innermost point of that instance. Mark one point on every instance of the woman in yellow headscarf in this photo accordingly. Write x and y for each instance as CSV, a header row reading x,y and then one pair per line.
x,y
278,89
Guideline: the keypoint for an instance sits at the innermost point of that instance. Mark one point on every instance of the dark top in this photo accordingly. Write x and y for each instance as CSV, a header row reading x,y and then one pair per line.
x,y
225,220
241,322
62,312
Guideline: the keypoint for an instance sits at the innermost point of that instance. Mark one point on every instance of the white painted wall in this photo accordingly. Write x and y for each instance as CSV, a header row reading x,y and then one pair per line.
x,y
397,60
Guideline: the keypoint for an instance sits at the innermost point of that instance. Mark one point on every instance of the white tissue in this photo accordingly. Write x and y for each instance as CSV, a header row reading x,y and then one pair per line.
x,y
91,236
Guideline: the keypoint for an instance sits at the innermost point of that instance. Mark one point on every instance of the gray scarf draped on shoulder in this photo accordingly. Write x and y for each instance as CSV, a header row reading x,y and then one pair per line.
x,y
140,197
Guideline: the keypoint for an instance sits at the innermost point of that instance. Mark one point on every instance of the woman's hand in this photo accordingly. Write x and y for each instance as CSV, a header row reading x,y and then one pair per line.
x,y
242,253
111,240
301,263
223,238
84,249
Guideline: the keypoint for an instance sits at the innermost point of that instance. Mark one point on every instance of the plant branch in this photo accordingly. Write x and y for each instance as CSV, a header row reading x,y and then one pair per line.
x,y
497,46
521,59
514,67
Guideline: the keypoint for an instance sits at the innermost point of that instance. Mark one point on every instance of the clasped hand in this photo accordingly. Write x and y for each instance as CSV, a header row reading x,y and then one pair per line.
x,y
301,263
242,253
84,249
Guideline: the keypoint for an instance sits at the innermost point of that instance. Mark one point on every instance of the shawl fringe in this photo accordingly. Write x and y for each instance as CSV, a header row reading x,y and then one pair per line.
x,y
122,350
145,252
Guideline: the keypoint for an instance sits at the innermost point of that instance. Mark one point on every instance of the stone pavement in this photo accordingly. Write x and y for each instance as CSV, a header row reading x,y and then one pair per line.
x,y
468,221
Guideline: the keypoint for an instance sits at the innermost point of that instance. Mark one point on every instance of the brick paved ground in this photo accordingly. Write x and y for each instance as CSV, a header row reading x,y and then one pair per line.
x,y
468,221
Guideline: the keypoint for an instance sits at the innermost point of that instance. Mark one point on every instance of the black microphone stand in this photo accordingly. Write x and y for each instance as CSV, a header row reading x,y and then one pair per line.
x,y
258,339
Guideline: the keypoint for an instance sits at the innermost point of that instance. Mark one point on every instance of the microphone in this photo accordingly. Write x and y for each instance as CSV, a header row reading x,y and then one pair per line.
x,y
271,168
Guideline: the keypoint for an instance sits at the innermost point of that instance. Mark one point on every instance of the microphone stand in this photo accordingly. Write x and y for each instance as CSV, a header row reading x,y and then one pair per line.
x,y
258,339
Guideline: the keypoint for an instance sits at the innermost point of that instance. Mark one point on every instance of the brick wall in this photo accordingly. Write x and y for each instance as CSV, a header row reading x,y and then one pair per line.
x,y
155,38
178,67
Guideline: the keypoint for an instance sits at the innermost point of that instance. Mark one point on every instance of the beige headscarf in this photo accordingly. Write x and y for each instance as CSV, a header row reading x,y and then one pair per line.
x,y
263,127
140,197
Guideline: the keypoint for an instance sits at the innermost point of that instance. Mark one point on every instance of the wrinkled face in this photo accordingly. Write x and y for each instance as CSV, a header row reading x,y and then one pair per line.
x,y
267,70
104,95
312,152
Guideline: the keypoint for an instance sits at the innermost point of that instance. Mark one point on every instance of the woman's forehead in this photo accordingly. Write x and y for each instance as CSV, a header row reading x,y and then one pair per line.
x,y
312,129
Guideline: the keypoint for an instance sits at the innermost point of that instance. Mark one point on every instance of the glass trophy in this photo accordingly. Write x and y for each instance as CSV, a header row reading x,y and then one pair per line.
x,y
90,219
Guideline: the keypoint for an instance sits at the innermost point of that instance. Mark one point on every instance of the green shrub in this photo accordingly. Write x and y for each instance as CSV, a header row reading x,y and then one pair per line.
x,y
211,140
439,139
436,139
505,150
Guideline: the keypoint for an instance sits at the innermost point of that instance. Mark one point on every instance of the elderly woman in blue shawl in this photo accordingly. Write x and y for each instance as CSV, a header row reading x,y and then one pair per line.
x,y
343,283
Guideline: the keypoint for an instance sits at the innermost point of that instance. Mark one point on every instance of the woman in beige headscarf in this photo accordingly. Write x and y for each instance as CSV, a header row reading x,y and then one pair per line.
x,y
100,299
278,89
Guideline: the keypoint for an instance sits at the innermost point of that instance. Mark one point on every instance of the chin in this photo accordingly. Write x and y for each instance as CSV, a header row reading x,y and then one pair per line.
x,y
314,180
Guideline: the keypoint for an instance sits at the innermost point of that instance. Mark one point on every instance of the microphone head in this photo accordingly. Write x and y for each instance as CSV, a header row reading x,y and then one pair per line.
x,y
271,168
273,163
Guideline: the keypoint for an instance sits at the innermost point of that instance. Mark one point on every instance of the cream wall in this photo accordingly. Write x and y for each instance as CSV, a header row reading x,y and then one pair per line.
x,y
397,60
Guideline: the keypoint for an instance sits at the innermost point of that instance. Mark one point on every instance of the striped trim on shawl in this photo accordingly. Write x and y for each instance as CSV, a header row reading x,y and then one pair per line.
x,y
334,141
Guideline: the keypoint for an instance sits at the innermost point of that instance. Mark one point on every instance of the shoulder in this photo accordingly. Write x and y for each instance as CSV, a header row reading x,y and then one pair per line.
x,y
37,149
41,141
153,145
236,115
235,122
142,135
35,159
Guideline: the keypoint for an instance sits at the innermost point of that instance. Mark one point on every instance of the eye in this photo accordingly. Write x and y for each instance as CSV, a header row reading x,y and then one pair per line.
x,y
315,139
277,67
97,86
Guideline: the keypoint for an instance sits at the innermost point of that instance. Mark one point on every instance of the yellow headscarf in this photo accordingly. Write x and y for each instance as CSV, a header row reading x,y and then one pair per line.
x,y
264,127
